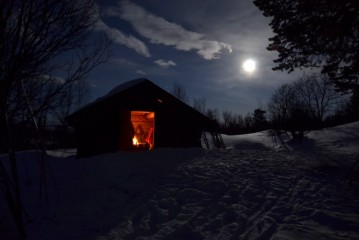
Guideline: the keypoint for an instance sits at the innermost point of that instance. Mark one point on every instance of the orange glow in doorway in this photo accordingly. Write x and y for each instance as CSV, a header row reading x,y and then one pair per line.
x,y
143,124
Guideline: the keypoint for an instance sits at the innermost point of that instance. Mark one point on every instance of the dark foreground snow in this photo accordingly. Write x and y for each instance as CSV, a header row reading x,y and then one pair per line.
x,y
260,188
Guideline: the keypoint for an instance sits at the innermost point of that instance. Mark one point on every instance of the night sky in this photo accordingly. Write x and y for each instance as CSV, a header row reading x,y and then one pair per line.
x,y
198,44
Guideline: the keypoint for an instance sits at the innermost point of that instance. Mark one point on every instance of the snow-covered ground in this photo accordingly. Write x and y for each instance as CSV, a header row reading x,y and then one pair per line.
x,y
261,187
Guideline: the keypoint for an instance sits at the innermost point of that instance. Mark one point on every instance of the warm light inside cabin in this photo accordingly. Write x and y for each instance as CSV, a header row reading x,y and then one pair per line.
x,y
135,141
143,123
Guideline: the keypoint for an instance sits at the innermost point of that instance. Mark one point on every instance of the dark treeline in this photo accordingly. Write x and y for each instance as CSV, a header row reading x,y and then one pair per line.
x,y
54,136
237,124
310,103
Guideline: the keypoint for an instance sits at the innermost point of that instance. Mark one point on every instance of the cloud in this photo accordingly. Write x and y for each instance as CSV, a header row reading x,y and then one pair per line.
x,y
160,31
120,38
54,79
138,71
164,63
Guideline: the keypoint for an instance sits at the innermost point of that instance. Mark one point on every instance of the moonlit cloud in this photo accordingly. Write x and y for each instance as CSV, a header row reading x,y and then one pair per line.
x,y
54,79
140,72
120,38
164,63
160,31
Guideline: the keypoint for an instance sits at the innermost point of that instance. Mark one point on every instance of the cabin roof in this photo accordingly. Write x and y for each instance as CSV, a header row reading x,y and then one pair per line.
x,y
122,88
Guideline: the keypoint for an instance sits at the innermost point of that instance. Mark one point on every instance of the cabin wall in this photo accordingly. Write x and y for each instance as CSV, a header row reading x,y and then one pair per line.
x,y
96,132
125,131
176,130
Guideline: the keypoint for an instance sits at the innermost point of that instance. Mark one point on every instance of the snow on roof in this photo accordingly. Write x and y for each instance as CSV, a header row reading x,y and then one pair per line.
x,y
116,90
123,87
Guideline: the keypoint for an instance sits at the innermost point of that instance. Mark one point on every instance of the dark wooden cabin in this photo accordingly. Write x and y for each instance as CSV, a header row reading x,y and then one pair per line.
x,y
137,115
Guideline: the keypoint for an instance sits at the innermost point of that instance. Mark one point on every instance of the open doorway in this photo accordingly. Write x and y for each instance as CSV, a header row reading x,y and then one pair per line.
x,y
144,127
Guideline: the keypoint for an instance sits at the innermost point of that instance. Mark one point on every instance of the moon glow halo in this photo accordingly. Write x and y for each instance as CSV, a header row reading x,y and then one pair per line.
x,y
249,66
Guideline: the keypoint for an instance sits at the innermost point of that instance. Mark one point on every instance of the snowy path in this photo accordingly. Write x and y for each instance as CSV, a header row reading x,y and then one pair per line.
x,y
248,195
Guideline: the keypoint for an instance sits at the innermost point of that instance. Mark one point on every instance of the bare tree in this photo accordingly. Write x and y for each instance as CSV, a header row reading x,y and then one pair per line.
x,y
287,112
248,120
212,113
318,95
40,38
200,104
180,92
280,104
240,121
303,105
72,97
227,118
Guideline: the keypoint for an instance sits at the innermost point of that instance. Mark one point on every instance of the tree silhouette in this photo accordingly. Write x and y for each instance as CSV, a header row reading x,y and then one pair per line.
x,y
179,91
303,104
38,40
316,33
318,95
259,119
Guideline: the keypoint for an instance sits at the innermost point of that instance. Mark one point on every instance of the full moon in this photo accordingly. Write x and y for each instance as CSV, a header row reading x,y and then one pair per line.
x,y
249,65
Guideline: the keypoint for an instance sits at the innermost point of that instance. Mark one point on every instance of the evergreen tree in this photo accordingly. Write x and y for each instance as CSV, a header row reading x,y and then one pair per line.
x,y
316,33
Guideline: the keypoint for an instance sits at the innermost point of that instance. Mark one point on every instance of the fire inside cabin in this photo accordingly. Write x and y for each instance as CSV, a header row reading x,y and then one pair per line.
x,y
143,125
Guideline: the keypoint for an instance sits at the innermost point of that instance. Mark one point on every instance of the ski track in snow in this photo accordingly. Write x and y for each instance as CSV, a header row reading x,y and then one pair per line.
x,y
258,189
246,195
